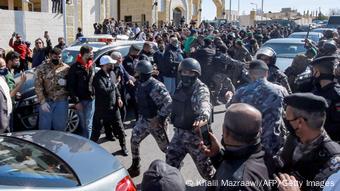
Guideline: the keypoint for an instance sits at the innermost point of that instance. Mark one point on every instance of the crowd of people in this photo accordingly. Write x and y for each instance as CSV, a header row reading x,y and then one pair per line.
x,y
274,128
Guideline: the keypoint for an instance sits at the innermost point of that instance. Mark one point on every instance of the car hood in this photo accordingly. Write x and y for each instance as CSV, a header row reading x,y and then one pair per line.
x,y
283,63
88,160
27,90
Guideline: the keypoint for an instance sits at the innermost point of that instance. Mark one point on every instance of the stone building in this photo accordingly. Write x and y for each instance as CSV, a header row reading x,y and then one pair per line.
x,y
159,11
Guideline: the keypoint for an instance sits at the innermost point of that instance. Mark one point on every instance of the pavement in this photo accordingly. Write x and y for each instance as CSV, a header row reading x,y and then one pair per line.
x,y
149,152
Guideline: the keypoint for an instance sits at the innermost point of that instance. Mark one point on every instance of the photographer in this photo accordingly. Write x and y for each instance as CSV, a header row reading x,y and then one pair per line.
x,y
40,52
20,47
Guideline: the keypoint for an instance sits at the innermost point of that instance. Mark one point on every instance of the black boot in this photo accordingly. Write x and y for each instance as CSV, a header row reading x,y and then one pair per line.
x,y
134,169
123,145
125,151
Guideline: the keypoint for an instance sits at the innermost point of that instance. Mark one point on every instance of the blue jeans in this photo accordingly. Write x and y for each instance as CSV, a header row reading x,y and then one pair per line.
x,y
170,84
86,117
57,117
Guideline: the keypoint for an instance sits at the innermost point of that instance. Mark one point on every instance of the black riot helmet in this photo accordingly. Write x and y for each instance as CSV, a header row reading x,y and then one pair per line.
x,y
330,47
267,51
144,67
190,64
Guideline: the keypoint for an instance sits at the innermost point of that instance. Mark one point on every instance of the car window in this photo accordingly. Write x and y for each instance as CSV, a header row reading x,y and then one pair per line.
x,y
26,164
69,56
286,48
124,50
314,38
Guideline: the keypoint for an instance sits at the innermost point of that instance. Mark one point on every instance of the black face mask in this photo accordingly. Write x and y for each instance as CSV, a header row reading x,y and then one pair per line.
x,y
17,42
55,61
188,81
316,80
325,77
134,56
289,127
3,71
144,77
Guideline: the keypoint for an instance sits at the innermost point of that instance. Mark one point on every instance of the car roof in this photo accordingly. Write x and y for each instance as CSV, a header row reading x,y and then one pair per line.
x,y
96,47
286,40
305,33
323,29
87,159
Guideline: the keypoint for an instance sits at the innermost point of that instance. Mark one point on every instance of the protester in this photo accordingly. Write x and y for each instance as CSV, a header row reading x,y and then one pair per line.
x,y
79,85
50,87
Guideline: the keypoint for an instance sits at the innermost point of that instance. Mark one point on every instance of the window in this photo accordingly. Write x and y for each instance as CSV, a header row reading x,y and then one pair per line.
x,y
25,164
128,18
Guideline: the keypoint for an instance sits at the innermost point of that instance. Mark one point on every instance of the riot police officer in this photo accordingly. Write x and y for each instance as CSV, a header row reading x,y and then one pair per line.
x,y
191,111
325,86
329,48
268,55
154,103
308,142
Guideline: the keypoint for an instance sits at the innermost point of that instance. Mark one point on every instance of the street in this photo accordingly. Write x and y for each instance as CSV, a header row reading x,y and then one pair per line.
x,y
150,152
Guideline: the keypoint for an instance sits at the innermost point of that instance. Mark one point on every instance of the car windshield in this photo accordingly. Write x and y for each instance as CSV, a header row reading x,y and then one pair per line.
x,y
28,165
286,49
314,38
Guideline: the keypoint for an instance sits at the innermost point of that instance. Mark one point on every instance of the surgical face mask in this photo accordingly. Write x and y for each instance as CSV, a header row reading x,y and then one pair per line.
x,y
188,81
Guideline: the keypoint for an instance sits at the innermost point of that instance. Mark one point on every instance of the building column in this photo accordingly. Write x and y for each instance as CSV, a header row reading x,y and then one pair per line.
x,y
46,6
114,8
10,4
102,10
24,6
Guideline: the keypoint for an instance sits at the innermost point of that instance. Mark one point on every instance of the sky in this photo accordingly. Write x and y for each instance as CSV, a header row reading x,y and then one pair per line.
x,y
209,9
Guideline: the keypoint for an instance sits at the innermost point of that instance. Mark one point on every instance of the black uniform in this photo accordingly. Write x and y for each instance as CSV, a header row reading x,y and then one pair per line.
x,y
331,93
107,112
313,162
129,65
244,165
205,57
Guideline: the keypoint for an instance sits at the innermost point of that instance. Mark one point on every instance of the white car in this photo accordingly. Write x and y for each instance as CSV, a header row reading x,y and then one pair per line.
x,y
54,160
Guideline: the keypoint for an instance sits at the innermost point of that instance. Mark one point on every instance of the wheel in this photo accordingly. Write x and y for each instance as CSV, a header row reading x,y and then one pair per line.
x,y
73,121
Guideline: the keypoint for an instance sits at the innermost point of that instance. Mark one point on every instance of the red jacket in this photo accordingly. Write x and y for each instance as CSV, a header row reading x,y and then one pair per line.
x,y
21,48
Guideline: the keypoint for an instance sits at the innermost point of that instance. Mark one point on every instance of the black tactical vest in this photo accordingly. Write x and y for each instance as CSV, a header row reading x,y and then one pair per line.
x,y
183,115
146,106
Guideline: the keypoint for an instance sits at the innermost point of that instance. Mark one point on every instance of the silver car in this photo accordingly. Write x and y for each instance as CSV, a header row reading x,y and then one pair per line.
x,y
314,36
53,160
286,50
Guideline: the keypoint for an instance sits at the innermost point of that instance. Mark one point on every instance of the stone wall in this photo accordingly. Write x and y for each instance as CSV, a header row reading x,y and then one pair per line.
x,y
31,25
